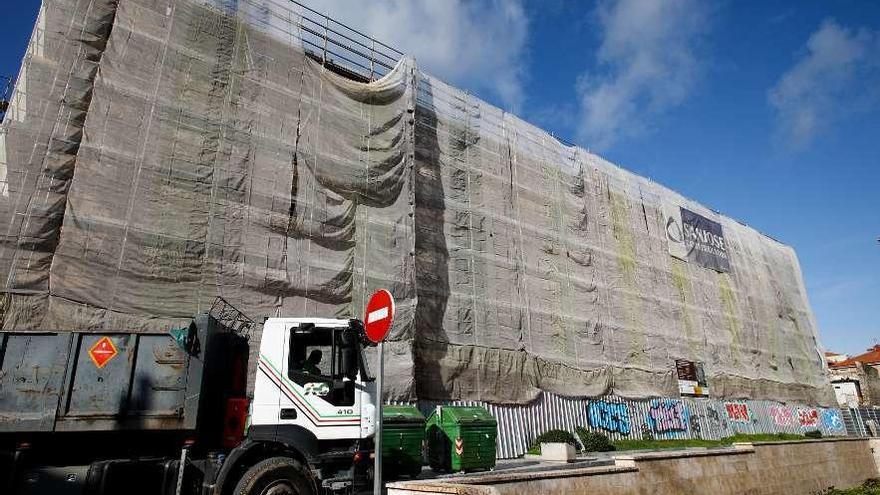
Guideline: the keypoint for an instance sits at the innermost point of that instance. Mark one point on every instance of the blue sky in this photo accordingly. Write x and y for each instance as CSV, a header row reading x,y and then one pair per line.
x,y
768,111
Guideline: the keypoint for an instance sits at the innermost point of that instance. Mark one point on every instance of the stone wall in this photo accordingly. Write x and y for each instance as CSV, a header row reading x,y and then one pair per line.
x,y
868,378
875,449
798,467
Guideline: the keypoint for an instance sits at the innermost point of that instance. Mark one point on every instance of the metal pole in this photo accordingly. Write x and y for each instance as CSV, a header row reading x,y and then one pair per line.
x,y
372,60
377,469
326,28
180,469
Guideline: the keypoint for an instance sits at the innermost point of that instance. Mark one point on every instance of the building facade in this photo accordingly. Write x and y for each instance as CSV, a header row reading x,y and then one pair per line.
x,y
157,155
856,380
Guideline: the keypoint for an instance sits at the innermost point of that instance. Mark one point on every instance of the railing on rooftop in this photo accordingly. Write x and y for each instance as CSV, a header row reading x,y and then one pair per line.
x,y
328,41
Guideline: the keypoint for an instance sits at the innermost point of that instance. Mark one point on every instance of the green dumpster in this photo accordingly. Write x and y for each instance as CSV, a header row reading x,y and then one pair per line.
x,y
403,430
461,439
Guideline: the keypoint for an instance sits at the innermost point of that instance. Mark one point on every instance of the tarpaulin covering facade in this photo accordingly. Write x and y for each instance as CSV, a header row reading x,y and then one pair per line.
x,y
158,154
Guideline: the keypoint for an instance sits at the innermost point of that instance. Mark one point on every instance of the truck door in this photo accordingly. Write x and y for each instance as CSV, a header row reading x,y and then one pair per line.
x,y
267,394
317,395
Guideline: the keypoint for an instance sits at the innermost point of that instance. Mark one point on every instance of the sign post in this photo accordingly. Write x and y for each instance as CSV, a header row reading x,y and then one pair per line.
x,y
377,467
377,323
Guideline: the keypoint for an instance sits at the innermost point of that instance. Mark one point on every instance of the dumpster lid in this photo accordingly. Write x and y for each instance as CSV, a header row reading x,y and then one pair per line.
x,y
402,414
466,415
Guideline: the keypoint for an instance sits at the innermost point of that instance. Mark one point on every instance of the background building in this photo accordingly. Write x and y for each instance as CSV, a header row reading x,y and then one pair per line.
x,y
856,380
834,357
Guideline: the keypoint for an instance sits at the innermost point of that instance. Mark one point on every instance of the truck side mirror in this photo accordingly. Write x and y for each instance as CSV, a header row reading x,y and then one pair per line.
x,y
349,357
349,364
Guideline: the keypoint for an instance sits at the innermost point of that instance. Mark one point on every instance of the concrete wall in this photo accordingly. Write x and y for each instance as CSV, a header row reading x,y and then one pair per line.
x,y
875,449
800,467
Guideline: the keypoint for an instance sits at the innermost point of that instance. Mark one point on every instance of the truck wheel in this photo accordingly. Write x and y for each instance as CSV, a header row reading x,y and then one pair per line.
x,y
276,476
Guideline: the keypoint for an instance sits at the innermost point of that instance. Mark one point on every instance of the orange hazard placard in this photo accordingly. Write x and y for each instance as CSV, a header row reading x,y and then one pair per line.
x,y
102,352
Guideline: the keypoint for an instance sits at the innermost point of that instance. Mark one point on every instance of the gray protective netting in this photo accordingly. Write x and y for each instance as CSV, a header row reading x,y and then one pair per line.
x,y
159,154
550,271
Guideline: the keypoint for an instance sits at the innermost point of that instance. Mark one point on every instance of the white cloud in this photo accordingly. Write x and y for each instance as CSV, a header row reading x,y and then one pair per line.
x,y
477,44
647,63
838,74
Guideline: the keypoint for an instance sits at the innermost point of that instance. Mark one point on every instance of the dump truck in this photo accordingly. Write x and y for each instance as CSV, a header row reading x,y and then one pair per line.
x,y
129,413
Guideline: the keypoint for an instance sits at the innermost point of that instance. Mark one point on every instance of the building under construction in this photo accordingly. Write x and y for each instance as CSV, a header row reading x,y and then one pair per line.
x,y
158,154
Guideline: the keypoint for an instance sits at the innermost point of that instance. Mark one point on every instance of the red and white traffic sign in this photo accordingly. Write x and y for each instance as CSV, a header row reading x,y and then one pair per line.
x,y
379,315
102,352
459,446
377,322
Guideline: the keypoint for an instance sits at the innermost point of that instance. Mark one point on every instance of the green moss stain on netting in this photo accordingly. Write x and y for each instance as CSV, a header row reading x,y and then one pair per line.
x,y
631,306
625,245
554,254
731,320
682,285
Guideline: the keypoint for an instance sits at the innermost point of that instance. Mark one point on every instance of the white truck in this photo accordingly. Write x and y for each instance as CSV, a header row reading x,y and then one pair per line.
x,y
120,412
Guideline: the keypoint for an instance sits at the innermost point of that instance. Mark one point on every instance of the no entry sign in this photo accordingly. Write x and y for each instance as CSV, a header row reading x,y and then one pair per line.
x,y
379,315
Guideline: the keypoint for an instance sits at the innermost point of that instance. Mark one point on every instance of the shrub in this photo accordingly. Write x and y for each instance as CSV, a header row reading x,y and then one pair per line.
x,y
592,441
553,436
870,487
813,434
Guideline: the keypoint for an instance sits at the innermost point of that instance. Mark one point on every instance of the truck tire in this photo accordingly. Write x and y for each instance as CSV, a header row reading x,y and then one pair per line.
x,y
276,476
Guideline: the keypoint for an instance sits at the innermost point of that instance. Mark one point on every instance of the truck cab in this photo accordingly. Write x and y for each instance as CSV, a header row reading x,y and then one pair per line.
x,y
312,415
312,375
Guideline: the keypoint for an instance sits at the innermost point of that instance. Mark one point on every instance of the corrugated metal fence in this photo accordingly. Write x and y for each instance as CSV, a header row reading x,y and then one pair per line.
x,y
857,420
678,418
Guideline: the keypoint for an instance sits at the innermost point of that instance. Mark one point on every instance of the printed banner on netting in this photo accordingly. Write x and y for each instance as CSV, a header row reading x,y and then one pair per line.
x,y
693,237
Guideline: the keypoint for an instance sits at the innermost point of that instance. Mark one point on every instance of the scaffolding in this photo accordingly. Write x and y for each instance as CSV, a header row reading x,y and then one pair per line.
x,y
166,154
6,85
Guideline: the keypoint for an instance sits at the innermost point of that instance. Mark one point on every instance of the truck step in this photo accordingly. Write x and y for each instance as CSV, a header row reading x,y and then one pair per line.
x,y
336,455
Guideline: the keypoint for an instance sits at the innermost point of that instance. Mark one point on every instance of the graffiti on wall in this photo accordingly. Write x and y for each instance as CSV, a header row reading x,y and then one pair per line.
x,y
808,417
707,422
715,420
667,415
832,420
665,418
782,415
738,412
609,416
696,426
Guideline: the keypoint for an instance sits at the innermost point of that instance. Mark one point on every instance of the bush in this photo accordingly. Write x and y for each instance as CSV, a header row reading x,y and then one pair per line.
x,y
592,441
553,436
813,434
870,487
